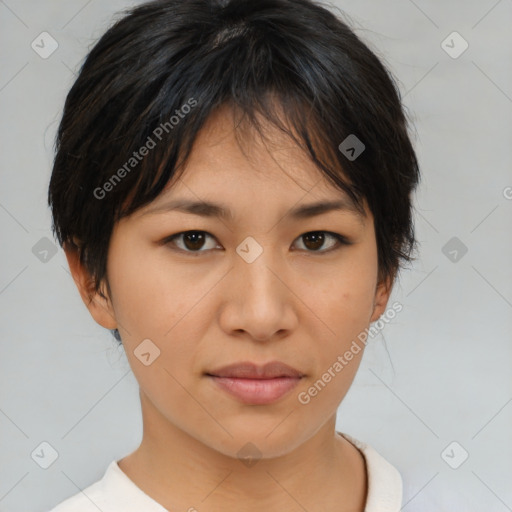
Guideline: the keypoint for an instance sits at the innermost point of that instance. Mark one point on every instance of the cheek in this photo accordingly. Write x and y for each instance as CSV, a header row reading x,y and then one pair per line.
x,y
343,297
154,301
339,350
148,297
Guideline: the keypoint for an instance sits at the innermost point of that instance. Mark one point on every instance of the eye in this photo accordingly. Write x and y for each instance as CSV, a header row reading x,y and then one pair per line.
x,y
316,239
193,241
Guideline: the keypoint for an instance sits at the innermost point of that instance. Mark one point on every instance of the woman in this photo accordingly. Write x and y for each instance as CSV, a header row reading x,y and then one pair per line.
x,y
232,188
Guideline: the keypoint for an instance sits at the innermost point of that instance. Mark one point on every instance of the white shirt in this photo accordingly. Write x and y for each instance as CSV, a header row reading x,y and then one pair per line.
x,y
115,492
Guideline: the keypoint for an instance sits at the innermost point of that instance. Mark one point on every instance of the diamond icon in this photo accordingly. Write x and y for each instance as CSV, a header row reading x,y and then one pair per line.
x,y
146,352
454,455
454,45
249,454
44,455
44,45
454,249
352,147
249,249
44,249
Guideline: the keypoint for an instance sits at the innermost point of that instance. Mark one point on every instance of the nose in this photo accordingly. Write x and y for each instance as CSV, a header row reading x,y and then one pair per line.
x,y
259,298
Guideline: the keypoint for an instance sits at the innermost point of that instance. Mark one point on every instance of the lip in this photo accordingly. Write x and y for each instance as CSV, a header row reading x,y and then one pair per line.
x,y
254,384
248,370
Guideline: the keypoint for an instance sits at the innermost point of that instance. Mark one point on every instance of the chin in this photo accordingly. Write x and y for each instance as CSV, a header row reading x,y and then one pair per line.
x,y
257,443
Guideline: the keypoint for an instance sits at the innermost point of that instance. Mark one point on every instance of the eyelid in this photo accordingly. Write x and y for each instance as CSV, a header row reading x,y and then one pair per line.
x,y
341,239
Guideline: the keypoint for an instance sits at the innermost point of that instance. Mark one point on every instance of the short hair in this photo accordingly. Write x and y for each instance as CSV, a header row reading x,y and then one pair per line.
x,y
160,71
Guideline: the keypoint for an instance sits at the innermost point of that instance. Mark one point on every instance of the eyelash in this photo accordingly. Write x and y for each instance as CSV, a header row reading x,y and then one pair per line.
x,y
342,241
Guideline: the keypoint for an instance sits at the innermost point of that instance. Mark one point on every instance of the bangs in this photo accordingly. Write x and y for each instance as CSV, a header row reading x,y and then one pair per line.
x,y
291,115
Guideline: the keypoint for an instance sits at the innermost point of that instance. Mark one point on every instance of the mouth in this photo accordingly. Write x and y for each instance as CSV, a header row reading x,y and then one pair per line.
x,y
256,385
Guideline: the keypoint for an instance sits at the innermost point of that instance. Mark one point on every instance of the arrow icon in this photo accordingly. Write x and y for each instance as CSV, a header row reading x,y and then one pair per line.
x,y
352,147
249,249
44,455
146,352
40,456
44,250
454,249
454,45
44,45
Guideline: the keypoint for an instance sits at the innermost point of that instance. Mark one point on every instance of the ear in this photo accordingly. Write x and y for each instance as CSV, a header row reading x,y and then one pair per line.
x,y
382,294
100,307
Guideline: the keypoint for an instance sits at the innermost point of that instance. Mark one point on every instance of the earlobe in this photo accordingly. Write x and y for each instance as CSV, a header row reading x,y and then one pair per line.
x,y
382,294
100,307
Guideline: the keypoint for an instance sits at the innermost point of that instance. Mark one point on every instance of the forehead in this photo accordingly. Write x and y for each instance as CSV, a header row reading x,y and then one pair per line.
x,y
237,147
222,150
235,165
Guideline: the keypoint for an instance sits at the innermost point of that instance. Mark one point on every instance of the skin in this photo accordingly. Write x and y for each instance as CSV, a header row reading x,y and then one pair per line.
x,y
292,304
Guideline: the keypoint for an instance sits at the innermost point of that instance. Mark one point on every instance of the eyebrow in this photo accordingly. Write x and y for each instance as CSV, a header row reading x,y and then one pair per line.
x,y
210,209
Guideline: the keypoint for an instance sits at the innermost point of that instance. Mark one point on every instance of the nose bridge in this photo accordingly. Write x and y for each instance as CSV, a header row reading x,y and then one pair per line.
x,y
256,259
260,294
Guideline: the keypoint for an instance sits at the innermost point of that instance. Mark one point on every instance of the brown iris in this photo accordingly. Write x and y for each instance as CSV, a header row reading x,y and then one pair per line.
x,y
315,238
193,240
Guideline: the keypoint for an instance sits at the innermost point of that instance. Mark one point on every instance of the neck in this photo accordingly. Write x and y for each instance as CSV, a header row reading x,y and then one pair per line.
x,y
178,471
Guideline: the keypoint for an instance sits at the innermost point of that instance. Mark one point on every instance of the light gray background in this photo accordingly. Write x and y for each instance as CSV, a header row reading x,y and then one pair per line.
x,y
441,372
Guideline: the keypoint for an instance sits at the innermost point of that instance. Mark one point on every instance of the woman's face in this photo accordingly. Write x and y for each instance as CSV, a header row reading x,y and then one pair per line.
x,y
251,286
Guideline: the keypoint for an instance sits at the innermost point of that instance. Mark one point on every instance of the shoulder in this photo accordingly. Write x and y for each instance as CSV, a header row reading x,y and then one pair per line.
x,y
384,480
114,492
